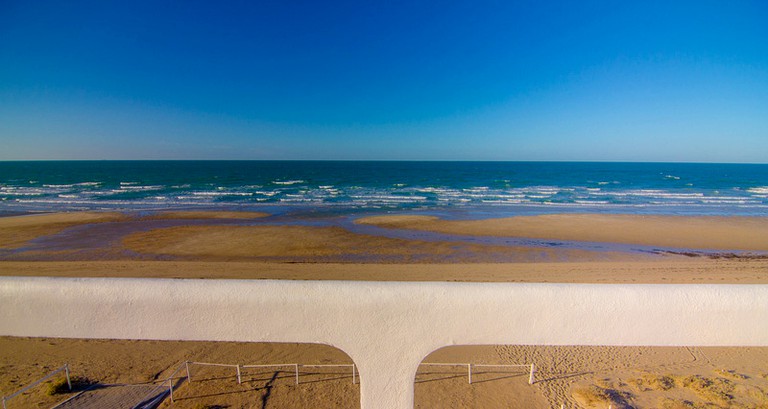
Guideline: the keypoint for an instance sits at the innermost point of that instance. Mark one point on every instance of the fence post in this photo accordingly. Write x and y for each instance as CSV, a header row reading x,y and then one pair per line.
x,y
297,373
238,374
353,374
170,387
66,371
4,407
469,373
189,378
530,378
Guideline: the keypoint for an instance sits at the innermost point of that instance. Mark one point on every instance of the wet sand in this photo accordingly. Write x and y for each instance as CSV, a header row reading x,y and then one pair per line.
x,y
700,232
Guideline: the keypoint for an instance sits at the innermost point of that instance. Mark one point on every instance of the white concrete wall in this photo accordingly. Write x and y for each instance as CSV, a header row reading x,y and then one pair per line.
x,y
387,328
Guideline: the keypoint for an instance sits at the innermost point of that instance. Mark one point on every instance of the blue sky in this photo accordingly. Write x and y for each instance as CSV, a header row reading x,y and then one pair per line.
x,y
410,80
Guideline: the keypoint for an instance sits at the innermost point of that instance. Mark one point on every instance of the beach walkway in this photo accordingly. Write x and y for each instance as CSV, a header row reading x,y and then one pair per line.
x,y
115,397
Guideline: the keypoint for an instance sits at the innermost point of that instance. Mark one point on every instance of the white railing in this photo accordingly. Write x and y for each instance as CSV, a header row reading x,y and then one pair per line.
x,y
150,401
470,366
352,366
64,368
295,367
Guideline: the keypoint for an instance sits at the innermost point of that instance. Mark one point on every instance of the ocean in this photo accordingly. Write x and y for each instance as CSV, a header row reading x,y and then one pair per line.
x,y
471,189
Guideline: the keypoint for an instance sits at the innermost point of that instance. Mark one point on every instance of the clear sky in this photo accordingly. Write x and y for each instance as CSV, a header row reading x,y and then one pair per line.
x,y
410,80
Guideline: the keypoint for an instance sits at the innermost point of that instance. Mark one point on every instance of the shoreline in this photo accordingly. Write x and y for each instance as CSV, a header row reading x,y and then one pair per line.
x,y
385,248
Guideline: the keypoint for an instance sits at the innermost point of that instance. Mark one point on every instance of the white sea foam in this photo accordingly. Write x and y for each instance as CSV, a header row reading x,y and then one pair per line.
x,y
59,186
731,201
71,185
759,190
287,182
509,201
218,194
299,200
592,201
658,194
22,191
140,187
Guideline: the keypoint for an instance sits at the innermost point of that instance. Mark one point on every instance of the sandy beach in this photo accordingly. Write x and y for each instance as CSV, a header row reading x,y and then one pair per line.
x,y
624,377
699,232
252,246
231,245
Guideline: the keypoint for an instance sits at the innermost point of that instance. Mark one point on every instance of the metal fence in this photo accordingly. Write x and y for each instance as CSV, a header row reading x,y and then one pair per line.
x,y
295,367
157,394
64,368
470,366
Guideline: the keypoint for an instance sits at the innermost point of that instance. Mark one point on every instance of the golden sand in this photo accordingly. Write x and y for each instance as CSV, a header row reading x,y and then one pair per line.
x,y
715,233
17,230
672,271
627,376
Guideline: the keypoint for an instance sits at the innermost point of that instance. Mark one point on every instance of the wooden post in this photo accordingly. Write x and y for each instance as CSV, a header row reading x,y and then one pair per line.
x,y
189,377
170,387
530,378
66,371
469,373
353,374
238,374
297,373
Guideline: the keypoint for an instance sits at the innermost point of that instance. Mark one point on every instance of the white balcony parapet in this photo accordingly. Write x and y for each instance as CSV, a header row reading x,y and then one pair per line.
x,y
387,328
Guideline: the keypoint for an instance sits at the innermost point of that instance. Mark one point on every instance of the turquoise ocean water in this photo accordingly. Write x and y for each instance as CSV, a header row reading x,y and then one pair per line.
x,y
464,188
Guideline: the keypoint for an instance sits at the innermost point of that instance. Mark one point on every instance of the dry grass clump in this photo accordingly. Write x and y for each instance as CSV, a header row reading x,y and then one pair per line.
x,y
594,395
715,393
649,381
668,403
760,396
60,386
709,389
730,373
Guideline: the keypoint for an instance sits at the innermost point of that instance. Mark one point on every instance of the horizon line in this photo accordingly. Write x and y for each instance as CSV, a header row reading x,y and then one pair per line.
x,y
387,160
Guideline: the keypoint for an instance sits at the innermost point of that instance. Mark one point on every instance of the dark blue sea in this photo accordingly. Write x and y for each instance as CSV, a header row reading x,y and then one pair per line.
x,y
465,188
